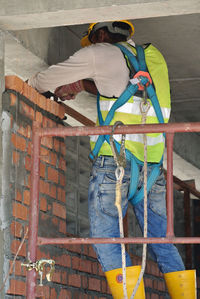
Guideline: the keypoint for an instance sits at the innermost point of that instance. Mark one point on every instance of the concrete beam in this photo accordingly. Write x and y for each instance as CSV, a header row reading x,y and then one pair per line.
x,y
20,14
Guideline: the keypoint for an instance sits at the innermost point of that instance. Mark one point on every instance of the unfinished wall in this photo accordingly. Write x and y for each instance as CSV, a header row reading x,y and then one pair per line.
x,y
78,273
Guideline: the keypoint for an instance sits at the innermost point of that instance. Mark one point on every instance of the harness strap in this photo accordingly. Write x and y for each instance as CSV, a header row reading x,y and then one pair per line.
x,y
125,96
133,196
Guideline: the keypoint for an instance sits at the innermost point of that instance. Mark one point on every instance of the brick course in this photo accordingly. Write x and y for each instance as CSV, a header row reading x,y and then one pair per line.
x,y
77,274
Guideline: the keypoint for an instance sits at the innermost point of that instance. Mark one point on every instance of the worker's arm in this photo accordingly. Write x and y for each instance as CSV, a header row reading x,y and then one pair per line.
x,y
90,86
69,91
76,68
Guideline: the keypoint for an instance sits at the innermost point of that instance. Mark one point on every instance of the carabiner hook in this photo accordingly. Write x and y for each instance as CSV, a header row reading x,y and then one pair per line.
x,y
120,158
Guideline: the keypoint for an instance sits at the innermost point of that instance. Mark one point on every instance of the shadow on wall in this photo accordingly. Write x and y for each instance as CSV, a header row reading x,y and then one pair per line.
x,y
63,42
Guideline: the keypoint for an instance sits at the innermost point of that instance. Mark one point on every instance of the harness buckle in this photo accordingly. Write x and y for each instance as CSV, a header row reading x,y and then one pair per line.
x,y
138,78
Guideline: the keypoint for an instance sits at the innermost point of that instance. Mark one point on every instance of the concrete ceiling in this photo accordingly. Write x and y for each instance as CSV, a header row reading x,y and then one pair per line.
x,y
172,26
20,14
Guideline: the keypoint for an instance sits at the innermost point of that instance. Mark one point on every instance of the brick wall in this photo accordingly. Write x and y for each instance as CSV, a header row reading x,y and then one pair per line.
x,y
77,273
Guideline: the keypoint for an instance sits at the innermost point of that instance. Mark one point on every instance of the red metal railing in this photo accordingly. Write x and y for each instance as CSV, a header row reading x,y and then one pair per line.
x,y
38,133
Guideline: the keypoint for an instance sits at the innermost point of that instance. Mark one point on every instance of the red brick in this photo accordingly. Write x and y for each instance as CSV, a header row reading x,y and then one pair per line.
x,y
94,284
53,294
16,229
61,194
56,277
47,141
148,296
84,281
95,268
62,227
63,149
15,246
59,210
64,278
62,179
26,90
56,145
13,99
15,158
27,110
85,249
19,270
42,254
54,108
63,260
101,273
161,286
33,95
42,291
20,211
26,197
62,164
44,187
53,175
52,191
27,181
148,282
44,216
91,252
103,286
53,159
18,142
64,294
75,262
17,287
85,266
74,280
54,220
39,117
29,148
61,112
23,131
73,248
13,82
42,102
43,204
18,196
45,155
42,170
28,163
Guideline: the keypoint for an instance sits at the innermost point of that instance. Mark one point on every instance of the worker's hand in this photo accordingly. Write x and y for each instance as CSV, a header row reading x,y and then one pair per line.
x,y
69,91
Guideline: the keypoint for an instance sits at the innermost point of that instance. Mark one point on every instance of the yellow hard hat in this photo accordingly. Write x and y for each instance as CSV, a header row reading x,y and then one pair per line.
x,y
85,41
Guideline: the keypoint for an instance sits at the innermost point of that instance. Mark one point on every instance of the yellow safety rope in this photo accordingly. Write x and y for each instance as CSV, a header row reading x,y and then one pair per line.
x,y
120,160
119,173
144,108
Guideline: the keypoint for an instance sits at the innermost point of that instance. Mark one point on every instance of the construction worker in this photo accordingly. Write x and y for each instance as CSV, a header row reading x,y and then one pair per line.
x,y
103,62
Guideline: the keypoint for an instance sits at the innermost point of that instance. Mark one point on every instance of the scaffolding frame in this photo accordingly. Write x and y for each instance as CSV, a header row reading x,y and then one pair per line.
x,y
38,133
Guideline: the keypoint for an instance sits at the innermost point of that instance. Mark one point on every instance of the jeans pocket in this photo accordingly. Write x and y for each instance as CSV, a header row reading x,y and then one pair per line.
x,y
157,197
107,196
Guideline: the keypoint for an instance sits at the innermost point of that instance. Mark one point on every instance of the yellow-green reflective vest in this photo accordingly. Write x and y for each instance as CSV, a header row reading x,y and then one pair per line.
x,y
130,113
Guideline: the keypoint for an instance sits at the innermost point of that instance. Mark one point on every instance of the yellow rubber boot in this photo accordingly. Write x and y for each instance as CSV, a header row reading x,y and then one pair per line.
x,y
115,282
181,284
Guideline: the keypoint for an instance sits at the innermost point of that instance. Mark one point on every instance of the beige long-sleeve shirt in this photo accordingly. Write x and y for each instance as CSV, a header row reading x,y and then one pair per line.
x,y
102,62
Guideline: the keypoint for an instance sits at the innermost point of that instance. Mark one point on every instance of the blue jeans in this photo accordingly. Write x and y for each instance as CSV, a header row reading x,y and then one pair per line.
x,y
104,216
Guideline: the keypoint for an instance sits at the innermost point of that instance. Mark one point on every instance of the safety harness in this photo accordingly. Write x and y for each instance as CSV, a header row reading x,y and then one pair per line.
x,y
140,81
